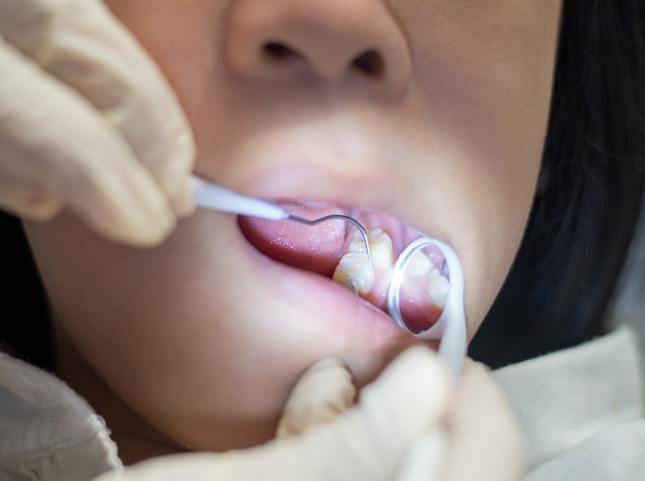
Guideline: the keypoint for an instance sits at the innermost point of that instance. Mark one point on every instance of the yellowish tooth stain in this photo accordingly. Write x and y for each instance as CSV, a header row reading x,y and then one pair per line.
x,y
355,270
382,250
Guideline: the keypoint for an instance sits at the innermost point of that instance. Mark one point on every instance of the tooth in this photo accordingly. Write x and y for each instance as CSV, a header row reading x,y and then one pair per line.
x,y
355,271
438,287
419,265
381,247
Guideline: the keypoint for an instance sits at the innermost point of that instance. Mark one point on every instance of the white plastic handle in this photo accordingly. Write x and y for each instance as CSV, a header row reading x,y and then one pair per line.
x,y
209,195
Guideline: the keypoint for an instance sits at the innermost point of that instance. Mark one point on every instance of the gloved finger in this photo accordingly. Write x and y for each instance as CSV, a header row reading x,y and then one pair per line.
x,y
81,43
27,203
369,442
75,156
366,443
425,458
484,441
322,393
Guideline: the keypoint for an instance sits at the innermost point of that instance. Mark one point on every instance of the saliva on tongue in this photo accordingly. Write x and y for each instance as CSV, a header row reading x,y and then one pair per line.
x,y
320,248
316,248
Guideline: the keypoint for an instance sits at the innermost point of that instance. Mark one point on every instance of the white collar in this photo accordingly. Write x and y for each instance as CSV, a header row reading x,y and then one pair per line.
x,y
564,398
48,429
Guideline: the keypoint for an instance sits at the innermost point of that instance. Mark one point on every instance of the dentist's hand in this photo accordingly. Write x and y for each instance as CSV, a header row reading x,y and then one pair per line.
x,y
387,436
87,122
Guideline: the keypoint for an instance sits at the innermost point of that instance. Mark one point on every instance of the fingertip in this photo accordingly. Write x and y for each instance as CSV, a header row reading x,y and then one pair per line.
x,y
150,231
185,145
322,393
145,220
328,364
421,363
415,386
35,205
174,170
424,459
183,204
143,214
139,221
41,206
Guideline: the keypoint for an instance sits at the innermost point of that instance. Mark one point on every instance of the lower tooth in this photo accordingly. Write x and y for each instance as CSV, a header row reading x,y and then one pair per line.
x,y
355,271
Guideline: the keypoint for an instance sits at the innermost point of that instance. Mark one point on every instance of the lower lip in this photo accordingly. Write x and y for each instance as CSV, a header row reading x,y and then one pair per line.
x,y
319,298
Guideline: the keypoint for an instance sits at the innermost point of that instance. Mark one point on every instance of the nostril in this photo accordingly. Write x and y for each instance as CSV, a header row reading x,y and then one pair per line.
x,y
278,51
370,63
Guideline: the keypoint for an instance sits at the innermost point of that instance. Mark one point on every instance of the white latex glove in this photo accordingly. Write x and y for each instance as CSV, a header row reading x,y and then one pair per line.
x,y
88,122
323,437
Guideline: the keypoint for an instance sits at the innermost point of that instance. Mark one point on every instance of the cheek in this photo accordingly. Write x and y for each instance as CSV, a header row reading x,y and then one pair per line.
x,y
484,81
182,37
160,333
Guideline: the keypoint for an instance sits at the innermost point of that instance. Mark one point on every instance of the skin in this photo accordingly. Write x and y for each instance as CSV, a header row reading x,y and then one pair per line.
x,y
181,346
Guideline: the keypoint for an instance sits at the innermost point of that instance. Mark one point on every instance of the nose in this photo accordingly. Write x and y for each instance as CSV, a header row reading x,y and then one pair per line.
x,y
330,40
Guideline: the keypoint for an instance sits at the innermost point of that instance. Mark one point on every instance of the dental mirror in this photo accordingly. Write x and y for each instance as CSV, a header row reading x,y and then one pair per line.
x,y
427,289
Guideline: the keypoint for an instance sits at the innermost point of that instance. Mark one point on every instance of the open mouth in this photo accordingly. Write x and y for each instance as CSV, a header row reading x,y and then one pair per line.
x,y
335,249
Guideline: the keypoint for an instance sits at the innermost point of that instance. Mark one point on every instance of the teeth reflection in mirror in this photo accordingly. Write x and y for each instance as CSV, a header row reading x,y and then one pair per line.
x,y
438,287
419,265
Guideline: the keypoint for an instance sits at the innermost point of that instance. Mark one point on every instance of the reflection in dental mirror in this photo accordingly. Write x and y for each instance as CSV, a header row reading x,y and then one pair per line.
x,y
420,285
422,290
421,278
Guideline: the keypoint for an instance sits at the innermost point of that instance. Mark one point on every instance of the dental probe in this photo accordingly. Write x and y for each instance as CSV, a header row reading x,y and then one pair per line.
x,y
215,197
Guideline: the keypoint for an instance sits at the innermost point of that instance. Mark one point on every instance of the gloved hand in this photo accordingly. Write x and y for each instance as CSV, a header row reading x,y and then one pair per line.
x,y
88,122
387,436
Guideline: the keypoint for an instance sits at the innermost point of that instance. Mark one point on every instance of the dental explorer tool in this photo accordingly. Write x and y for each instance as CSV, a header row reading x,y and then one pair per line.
x,y
215,197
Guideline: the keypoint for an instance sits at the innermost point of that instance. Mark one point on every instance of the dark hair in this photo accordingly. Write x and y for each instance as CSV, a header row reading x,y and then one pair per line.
x,y
582,222
25,329
590,194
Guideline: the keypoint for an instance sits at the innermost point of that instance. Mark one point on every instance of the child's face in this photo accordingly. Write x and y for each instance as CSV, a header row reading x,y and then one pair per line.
x,y
203,336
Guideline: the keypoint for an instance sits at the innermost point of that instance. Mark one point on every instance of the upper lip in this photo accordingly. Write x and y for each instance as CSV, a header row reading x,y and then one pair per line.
x,y
299,180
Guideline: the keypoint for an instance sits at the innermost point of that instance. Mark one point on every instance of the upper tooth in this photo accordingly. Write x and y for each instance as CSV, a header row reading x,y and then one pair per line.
x,y
419,265
355,271
438,287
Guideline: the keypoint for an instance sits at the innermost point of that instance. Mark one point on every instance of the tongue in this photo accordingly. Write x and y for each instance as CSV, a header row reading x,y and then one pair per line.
x,y
315,248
